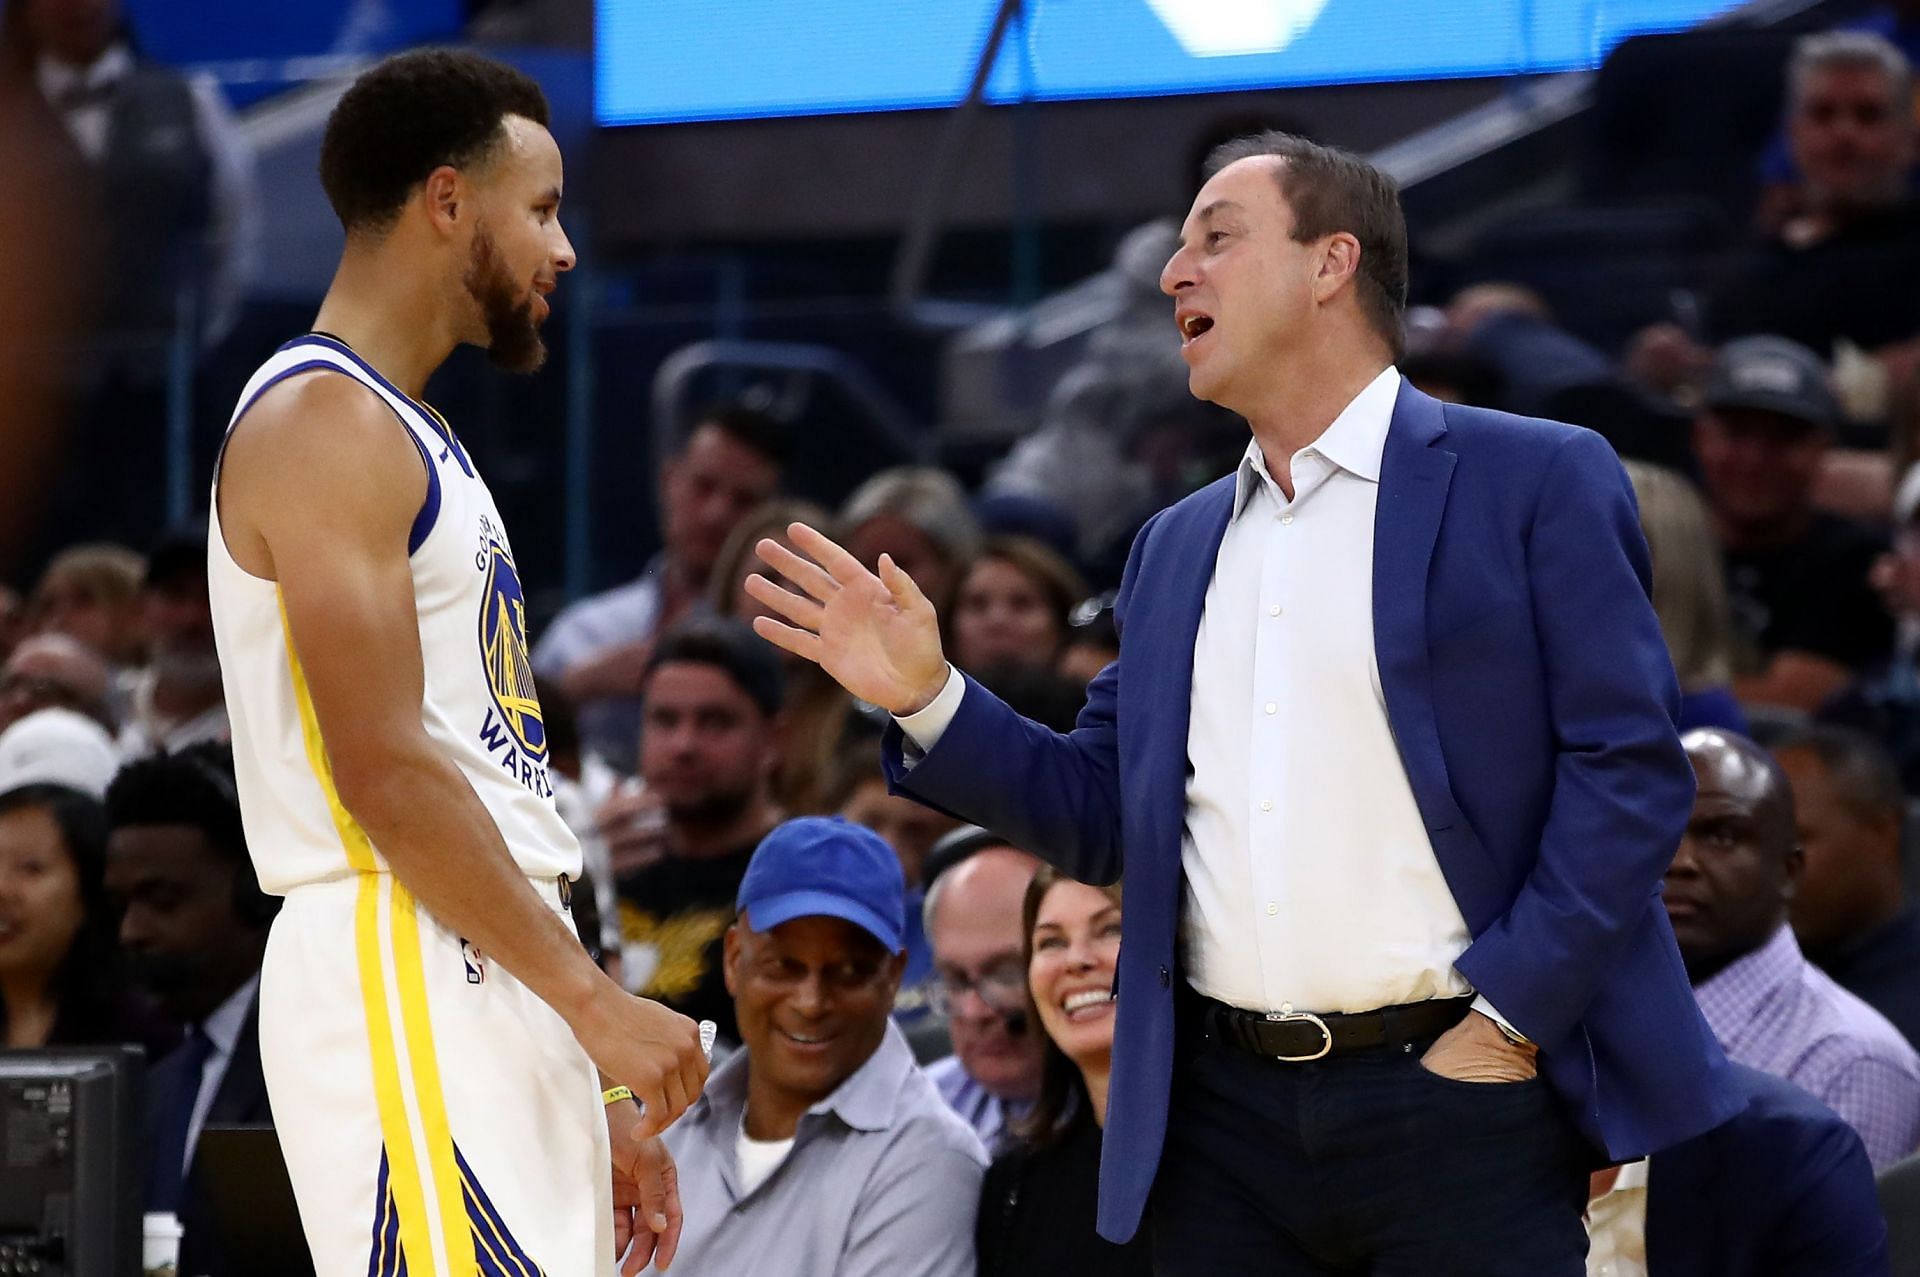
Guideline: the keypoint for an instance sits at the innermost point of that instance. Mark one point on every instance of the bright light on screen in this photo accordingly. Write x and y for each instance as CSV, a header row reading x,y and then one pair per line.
x,y
734,59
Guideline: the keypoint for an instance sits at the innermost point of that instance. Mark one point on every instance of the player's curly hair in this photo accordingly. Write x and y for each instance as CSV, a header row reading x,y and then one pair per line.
x,y
410,115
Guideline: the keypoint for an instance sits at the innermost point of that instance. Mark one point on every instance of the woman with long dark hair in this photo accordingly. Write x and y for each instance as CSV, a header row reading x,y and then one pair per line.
x,y
1038,1201
61,980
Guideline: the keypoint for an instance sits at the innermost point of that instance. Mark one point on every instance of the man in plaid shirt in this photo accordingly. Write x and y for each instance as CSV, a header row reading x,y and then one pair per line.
x,y
1727,895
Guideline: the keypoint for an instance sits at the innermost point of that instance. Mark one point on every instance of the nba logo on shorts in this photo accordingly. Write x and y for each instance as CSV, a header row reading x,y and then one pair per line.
x,y
476,965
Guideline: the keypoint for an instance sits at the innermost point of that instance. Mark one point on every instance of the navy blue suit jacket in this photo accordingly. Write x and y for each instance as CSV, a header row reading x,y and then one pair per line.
x,y
1532,702
1782,1190
240,1101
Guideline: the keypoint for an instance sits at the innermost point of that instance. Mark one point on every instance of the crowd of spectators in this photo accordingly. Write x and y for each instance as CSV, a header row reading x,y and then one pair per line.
x,y
916,1016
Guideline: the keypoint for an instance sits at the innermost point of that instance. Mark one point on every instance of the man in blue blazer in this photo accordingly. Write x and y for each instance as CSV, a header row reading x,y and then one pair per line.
x,y
1389,761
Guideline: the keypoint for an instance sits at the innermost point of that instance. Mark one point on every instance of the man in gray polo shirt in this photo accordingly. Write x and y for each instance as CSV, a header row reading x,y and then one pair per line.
x,y
820,1149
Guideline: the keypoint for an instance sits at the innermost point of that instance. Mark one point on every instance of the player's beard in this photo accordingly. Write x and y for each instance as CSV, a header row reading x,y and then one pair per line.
x,y
513,338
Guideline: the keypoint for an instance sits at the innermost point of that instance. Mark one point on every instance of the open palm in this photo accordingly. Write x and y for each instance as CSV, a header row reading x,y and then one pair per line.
x,y
877,636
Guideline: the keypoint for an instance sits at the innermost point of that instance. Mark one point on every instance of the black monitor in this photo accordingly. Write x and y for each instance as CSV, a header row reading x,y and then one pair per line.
x,y
70,1169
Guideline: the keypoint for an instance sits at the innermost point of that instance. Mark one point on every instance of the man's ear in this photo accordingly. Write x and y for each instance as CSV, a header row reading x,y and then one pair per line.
x,y
730,959
896,970
1796,868
446,198
1339,263
669,475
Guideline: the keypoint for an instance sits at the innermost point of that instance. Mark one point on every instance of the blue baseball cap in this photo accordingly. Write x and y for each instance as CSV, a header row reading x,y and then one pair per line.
x,y
823,866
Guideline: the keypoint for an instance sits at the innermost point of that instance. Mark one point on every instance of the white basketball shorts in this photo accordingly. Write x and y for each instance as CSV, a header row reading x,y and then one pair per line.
x,y
438,1119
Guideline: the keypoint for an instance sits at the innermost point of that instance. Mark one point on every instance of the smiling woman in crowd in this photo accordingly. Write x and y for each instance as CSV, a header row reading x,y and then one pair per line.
x,y
1037,1203
60,972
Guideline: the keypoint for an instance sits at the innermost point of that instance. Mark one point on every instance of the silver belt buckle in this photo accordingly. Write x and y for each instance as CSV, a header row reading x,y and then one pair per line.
x,y
1292,1017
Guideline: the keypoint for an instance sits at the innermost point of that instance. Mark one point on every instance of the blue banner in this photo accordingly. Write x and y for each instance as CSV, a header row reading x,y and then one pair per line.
x,y
731,59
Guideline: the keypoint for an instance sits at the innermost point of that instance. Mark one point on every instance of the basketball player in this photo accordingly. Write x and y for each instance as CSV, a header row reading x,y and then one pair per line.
x,y
429,1024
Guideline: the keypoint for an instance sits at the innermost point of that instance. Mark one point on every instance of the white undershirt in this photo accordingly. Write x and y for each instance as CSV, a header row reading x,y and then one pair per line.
x,y
758,1158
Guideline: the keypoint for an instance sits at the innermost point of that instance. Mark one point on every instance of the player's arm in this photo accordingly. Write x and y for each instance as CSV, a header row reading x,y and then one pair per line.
x,y
320,485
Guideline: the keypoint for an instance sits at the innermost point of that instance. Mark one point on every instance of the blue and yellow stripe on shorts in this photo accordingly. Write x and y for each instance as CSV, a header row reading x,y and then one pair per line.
x,y
422,1181
496,1252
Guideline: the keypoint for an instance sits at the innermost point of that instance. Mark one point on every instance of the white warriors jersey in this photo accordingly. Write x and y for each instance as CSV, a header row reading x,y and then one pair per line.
x,y
480,705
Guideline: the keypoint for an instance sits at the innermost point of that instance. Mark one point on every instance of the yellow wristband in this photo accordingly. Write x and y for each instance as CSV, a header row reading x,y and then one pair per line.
x,y
614,1095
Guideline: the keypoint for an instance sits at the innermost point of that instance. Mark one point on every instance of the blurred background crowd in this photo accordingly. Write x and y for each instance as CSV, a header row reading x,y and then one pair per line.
x,y
936,335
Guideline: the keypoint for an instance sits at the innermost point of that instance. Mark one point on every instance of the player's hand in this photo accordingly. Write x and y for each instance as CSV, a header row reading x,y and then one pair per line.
x,y
646,1194
645,1047
876,635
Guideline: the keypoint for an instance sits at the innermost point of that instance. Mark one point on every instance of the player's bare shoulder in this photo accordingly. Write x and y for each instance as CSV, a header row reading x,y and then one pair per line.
x,y
316,451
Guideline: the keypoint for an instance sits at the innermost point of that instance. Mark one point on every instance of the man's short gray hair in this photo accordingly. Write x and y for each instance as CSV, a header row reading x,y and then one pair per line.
x,y
1830,49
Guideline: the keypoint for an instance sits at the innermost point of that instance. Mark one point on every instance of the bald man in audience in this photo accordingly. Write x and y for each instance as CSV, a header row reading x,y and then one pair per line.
x,y
980,982
1727,893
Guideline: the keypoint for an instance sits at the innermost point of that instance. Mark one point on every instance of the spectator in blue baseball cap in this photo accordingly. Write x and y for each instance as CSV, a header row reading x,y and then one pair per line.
x,y
822,1124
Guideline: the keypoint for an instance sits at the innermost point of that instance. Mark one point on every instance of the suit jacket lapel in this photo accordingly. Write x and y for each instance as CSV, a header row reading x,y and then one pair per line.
x,y
242,1097
1159,664
1416,473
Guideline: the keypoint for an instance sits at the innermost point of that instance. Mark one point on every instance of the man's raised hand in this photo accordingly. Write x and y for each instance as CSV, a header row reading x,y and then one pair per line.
x,y
877,636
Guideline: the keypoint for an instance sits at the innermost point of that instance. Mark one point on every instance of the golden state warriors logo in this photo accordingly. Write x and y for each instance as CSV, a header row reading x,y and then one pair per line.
x,y
503,648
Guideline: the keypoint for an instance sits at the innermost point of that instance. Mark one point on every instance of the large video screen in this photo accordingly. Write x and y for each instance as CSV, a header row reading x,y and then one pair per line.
x,y
736,59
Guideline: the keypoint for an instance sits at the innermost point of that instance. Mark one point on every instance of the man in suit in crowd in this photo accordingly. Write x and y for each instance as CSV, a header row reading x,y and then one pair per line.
x,y
1389,743
1783,1189
194,930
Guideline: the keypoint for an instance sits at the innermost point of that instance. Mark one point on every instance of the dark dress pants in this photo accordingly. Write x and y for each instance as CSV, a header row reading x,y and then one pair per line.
x,y
1363,1165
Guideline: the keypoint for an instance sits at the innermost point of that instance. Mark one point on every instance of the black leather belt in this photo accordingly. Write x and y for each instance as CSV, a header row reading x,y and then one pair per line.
x,y
1299,1036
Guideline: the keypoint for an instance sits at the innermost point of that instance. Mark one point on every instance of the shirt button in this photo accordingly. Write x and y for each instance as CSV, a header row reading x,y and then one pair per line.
x,y
1266,804
1272,708
1286,518
1274,610
1272,908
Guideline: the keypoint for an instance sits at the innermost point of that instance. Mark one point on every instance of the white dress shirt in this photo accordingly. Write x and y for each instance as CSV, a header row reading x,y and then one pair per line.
x,y
79,95
1310,881
1617,1226
223,1031
87,117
